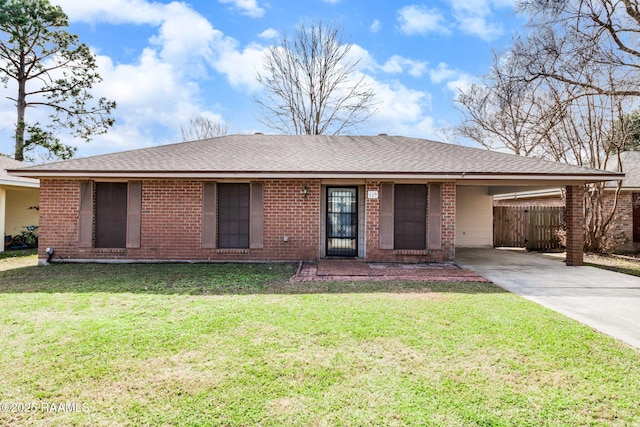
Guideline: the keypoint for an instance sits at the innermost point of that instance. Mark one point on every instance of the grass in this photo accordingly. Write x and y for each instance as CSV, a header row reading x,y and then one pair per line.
x,y
621,264
227,344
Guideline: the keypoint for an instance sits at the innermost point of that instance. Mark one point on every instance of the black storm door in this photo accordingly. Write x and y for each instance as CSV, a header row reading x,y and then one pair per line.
x,y
342,221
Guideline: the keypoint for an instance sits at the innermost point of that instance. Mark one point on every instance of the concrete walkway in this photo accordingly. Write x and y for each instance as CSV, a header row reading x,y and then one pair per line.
x,y
607,301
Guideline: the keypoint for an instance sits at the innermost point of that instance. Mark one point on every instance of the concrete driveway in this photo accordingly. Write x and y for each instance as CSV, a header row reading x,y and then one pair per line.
x,y
607,301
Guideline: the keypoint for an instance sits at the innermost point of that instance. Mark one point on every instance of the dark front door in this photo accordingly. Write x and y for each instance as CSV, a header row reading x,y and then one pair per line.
x,y
342,221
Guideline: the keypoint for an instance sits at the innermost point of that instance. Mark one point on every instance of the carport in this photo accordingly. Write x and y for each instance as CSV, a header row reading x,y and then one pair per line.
x,y
18,199
475,217
604,300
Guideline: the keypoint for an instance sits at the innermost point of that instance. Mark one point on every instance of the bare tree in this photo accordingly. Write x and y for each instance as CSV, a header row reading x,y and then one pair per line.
x,y
312,86
201,127
589,135
547,118
505,113
570,37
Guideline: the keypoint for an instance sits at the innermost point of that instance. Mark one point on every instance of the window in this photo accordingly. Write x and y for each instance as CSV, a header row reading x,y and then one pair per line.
x,y
233,215
410,216
111,214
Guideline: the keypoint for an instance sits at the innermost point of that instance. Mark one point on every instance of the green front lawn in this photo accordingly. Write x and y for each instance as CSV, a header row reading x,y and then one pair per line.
x,y
239,345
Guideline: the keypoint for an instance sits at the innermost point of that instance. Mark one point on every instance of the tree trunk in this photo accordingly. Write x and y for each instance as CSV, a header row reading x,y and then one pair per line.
x,y
22,106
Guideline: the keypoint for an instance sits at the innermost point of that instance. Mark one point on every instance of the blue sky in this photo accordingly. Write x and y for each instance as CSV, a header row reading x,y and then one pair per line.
x,y
164,62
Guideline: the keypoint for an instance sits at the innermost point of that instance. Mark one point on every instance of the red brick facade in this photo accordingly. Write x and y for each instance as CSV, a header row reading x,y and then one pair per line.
x,y
622,229
448,229
172,223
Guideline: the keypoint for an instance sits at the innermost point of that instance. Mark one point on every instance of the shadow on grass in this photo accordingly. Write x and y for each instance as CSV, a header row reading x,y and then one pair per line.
x,y
18,253
202,279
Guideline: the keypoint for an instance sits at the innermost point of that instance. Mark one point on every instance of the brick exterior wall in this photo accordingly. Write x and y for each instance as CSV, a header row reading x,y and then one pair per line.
x,y
445,254
574,218
622,228
172,218
59,209
372,214
288,213
448,221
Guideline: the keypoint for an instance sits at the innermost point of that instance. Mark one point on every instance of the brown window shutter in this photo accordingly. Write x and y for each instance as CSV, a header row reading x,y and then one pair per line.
x,y
85,217
134,214
256,224
110,217
209,208
386,215
410,216
435,216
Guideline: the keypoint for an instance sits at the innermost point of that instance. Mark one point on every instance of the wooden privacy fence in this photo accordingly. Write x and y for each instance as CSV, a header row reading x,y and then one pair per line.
x,y
531,227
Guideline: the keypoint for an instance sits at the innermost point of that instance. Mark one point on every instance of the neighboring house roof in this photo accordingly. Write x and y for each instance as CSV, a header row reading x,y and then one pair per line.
x,y
16,181
630,166
316,156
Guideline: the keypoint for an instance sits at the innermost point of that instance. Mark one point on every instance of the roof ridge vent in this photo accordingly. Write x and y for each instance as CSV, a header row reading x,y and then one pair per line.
x,y
258,133
383,134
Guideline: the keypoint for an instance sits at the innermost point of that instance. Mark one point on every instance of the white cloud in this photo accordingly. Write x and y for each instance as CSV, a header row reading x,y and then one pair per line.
x,y
375,26
246,7
269,33
416,19
427,128
151,94
480,26
185,37
161,88
121,137
403,111
398,64
358,53
114,11
473,17
441,73
148,83
462,82
186,40
400,104
240,66
454,80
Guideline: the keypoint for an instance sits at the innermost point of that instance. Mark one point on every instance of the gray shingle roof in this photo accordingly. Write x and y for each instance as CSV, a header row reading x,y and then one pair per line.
x,y
631,168
280,154
5,179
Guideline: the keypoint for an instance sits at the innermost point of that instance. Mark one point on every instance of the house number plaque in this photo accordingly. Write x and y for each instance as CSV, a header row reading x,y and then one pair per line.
x,y
372,194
